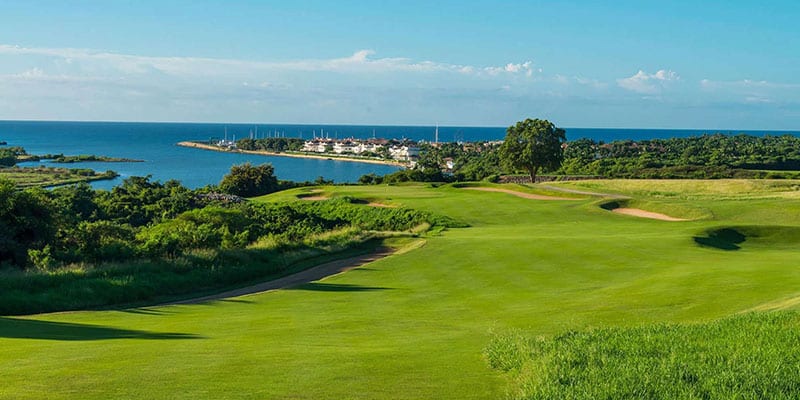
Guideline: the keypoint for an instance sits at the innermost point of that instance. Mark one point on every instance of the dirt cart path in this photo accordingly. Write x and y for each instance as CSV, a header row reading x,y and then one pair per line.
x,y
299,278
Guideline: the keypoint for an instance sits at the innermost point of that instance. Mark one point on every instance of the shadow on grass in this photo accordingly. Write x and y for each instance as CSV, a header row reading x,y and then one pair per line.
x,y
144,311
336,287
363,269
18,328
722,239
611,205
240,301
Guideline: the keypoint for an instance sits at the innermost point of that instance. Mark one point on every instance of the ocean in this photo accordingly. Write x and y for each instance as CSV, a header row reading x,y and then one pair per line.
x,y
155,143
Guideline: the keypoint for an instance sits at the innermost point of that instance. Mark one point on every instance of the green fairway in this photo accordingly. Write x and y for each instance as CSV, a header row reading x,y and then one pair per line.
x,y
414,325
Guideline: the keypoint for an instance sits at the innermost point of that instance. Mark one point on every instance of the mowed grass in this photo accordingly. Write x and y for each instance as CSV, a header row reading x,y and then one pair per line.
x,y
414,325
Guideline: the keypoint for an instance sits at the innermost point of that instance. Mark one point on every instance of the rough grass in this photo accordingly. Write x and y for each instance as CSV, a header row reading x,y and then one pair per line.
x,y
414,325
753,356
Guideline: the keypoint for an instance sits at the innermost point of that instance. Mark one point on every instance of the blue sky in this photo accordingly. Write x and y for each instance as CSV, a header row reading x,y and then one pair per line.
x,y
646,64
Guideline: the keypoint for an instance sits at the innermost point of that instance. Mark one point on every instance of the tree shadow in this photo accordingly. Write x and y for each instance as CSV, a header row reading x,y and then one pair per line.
x,y
19,328
723,239
240,301
336,287
144,311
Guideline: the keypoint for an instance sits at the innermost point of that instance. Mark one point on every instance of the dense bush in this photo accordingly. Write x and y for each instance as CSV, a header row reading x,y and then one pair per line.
x,y
141,218
26,223
10,155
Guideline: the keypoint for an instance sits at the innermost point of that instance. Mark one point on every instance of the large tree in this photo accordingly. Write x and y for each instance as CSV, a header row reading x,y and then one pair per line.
x,y
247,180
533,145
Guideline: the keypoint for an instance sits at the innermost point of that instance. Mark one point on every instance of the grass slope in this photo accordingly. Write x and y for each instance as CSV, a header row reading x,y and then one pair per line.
x,y
413,325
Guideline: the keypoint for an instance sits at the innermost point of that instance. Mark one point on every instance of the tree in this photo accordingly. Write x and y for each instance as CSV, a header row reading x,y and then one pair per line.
x,y
247,181
533,144
26,223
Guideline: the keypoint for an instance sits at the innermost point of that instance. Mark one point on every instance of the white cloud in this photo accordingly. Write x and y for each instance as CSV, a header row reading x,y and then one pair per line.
x,y
361,61
642,82
88,84
749,91
68,83
588,82
37,75
758,100
746,84
525,68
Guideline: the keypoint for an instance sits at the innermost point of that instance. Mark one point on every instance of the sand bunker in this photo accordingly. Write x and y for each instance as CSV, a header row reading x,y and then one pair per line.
x,y
313,198
635,212
521,194
374,204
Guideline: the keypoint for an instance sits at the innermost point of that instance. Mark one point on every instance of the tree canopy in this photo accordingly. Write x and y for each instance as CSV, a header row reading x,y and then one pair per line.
x,y
533,145
247,180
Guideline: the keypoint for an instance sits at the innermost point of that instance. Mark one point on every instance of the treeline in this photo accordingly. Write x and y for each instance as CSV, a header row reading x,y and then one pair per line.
x,y
706,156
276,145
62,159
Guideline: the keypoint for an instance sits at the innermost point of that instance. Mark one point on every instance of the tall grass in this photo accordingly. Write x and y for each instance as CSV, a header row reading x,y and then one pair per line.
x,y
752,356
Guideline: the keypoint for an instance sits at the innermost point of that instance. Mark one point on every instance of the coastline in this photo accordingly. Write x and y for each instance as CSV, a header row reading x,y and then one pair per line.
x,y
335,157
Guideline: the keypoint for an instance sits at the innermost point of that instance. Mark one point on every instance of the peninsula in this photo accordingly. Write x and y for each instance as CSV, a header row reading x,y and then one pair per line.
x,y
62,159
350,157
46,176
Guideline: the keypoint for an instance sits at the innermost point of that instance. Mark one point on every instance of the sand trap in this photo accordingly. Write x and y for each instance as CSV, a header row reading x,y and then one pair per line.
x,y
635,212
374,204
313,198
521,194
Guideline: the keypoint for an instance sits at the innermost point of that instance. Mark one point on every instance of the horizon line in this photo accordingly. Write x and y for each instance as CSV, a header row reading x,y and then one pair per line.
x,y
384,125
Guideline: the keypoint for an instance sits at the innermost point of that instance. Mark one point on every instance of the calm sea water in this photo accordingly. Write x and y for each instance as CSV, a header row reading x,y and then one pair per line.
x,y
155,143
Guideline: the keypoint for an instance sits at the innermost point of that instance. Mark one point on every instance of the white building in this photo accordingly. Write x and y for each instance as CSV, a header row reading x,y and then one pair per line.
x,y
353,146
346,147
316,145
404,153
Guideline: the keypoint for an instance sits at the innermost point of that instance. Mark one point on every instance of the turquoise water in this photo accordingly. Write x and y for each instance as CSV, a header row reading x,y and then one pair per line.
x,y
156,144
